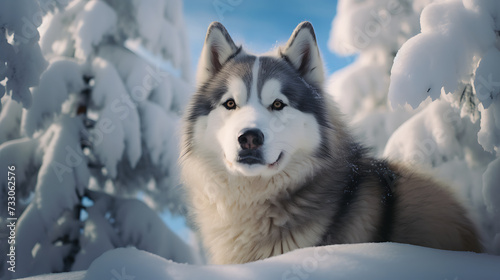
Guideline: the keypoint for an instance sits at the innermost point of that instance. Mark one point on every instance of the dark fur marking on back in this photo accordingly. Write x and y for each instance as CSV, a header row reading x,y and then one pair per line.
x,y
360,171
387,179
352,182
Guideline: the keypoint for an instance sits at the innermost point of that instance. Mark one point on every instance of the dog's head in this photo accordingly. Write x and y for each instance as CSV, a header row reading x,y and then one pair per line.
x,y
254,114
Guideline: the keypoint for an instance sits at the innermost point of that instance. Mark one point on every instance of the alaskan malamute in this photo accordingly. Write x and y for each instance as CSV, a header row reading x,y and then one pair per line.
x,y
270,166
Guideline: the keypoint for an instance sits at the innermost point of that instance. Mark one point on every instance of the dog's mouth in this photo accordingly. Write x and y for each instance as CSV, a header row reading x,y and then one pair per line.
x,y
251,157
275,164
253,164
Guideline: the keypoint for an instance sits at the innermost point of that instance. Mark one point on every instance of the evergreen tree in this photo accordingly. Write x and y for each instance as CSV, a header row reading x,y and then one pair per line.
x,y
98,131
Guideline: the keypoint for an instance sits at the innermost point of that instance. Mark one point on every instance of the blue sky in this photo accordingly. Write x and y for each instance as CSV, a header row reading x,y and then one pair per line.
x,y
261,25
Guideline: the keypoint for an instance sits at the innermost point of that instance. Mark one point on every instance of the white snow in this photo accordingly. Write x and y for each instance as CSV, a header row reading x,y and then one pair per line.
x,y
161,35
118,127
363,25
487,82
430,138
362,86
491,191
21,60
423,64
360,89
158,134
77,275
355,261
374,30
150,19
10,120
457,48
96,21
64,170
56,35
63,76
20,153
114,222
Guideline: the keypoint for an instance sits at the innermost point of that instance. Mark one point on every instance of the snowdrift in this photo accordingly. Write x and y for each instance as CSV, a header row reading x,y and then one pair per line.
x,y
352,261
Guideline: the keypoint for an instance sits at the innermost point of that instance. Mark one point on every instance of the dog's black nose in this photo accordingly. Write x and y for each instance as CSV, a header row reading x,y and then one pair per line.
x,y
251,139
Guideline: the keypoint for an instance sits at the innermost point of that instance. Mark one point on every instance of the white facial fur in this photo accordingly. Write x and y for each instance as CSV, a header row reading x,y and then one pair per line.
x,y
287,132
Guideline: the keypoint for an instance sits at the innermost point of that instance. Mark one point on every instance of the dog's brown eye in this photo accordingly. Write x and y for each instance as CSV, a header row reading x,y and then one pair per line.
x,y
278,105
230,104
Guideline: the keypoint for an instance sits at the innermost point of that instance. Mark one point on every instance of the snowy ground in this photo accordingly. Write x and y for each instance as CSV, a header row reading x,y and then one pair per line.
x,y
354,261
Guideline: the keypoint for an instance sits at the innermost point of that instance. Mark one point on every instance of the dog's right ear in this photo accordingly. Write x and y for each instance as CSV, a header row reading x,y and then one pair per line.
x,y
218,48
302,53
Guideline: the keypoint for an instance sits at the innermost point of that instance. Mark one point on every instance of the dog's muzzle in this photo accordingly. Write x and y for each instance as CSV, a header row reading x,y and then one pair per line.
x,y
250,141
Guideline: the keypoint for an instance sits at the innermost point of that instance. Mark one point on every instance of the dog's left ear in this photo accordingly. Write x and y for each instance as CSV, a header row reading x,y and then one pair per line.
x,y
302,52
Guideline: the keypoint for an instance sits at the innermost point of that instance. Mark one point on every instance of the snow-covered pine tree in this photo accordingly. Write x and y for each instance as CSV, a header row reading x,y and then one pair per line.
x,y
102,126
372,31
21,63
454,59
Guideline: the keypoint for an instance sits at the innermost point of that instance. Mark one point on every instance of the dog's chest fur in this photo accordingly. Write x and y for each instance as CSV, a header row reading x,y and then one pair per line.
x,y
258,218
243,233
243,220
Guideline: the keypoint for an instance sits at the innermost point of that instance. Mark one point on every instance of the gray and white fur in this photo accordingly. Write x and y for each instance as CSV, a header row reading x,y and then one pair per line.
x,y
270,167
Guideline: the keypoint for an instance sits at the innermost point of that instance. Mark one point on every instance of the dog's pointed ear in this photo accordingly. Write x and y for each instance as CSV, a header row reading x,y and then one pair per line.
x,y
218,48
302,52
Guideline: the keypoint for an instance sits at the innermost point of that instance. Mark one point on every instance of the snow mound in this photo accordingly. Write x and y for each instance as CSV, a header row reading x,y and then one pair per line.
x,y
350,261
89,31
431,137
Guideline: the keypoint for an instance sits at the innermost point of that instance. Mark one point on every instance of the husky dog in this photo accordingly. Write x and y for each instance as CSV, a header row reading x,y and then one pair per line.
x,y
270,166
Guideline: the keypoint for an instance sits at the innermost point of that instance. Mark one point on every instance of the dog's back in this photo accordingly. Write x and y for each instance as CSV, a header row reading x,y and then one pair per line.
x,y
429,215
